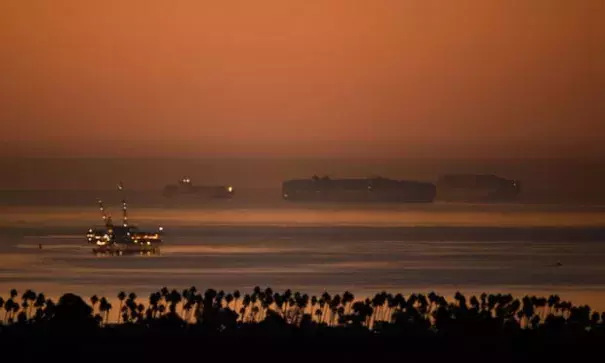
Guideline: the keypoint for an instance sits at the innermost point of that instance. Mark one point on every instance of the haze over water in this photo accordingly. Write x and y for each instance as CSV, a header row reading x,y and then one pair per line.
x,y
259,239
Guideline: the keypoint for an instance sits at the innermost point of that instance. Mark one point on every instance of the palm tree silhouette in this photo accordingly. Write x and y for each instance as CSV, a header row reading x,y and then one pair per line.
x,y
154,300
236,297
121,297
384,313
8,309
94,299
2,302
28,298
105,308
347,300
174,298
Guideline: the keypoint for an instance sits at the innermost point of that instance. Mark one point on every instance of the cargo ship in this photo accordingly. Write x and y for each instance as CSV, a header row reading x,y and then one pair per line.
x,y
122,239
362,190
185,187
477,188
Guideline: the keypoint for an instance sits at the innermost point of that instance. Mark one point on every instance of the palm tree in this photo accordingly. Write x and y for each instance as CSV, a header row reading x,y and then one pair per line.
x,y
313,303
49,309
266,303
164,291
236,296
121,297
256,291
268,291
334,304
15,309
594,319
253,300
140,309
25,305
185,294
322,304
154,299
377,302
218,300
318,315
347,300
8,307
327,300
104,308
553,300
541,303
362,311
392,304
28,298
475,303
175,299
229,300
286,298
245,303
94,299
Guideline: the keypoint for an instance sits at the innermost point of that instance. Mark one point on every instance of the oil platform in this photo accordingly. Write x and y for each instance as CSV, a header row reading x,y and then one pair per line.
x,y
122,239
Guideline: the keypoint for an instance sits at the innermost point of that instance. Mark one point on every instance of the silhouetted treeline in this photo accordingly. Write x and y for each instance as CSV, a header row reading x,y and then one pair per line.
x,y
263,323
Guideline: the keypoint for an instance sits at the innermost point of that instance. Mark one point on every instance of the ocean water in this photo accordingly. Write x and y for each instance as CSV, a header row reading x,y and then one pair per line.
x,y
230,245
259,239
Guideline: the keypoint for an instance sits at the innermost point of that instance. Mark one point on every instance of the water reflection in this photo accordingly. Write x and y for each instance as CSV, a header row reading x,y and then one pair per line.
x,y
313,250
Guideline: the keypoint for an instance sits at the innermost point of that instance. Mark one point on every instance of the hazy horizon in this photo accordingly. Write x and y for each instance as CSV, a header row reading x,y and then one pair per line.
x,y
542,180
301,78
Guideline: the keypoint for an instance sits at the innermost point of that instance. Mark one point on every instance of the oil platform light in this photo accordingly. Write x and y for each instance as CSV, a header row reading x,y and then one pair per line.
x,y
124,238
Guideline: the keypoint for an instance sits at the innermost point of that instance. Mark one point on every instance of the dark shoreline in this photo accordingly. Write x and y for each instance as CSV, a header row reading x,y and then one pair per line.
x,y
275,325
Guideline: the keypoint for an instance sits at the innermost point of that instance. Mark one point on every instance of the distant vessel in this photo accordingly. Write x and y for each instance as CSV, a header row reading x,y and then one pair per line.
x,y
477,188
361,190
125,238
186,187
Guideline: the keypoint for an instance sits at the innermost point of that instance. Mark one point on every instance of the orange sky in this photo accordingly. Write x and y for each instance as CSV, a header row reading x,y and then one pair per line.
x,y
399,78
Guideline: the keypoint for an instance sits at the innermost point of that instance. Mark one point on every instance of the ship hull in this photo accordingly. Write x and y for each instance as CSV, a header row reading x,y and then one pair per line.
x,y
198,192
358,191
477,188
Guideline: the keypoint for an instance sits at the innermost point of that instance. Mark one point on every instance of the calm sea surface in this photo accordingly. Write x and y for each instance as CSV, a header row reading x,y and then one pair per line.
x,y
235,245
259,239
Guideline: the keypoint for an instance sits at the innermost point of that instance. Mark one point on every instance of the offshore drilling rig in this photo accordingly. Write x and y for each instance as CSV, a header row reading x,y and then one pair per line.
x,y
124,238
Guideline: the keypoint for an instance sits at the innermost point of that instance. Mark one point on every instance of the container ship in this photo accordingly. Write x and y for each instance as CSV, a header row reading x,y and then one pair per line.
x,y
122,239
477,188
185,187
360,190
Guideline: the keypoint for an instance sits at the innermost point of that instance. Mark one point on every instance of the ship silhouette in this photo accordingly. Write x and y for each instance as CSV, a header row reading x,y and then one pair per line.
x,y
185,187
362,190
477,188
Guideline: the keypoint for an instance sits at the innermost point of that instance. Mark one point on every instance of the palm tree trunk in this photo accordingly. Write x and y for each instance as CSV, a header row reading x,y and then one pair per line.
x,y
119,312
